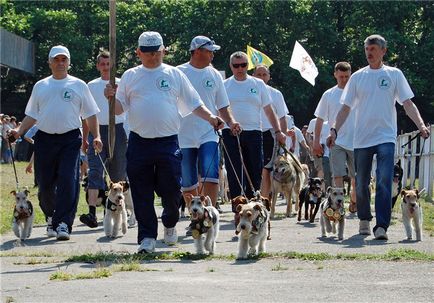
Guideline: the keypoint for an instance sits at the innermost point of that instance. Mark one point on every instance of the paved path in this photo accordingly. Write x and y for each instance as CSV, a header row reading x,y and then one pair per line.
x,y
263,280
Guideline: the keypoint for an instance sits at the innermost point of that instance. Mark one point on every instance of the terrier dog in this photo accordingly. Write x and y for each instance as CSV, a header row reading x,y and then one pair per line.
x,y
412,213
333,212
397,182
253,224
287,177
22,223
115,213
205,219
311,196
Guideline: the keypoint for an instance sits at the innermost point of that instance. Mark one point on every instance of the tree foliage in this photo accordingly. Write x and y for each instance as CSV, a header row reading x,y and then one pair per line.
x,y
331,31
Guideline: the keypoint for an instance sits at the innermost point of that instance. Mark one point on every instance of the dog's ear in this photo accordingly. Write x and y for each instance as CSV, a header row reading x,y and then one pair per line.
x,y
266,203
329,189
188,197
125,186
13,192
27,192
403,192
257,207
417,193
239,207
111,184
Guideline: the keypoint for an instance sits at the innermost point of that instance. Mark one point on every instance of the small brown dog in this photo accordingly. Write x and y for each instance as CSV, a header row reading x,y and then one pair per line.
x,y
411,213
22,223
116,214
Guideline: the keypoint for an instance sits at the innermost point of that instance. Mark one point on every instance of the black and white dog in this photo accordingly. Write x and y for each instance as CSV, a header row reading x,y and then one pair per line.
x,y
311,195
397,182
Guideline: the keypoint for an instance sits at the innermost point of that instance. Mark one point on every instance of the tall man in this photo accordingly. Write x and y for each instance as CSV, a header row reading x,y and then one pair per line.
x,y
268,141
372,92
198,142
156,96
116,166
342,153
57,105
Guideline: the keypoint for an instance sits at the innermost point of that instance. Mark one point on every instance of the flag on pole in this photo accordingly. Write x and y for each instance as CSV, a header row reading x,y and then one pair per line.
x,y
255,57
302,62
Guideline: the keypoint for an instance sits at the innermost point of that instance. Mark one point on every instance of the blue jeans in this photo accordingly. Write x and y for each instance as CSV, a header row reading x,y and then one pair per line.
x,y
384,175
154,165
206,158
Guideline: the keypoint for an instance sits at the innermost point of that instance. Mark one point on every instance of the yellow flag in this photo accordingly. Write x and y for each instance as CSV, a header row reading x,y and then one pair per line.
x,y
255,57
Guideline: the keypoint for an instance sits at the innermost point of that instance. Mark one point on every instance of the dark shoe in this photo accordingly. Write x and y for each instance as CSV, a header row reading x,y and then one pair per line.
x,y
89,220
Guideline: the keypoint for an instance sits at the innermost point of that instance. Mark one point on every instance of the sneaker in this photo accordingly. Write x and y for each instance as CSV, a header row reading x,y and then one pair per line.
x,y
62,232
364,228
147,246
89,220
380,234
170,236
51,233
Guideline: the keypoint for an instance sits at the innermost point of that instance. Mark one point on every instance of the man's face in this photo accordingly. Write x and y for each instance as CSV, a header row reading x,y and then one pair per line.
x,y
150,59
374,53
205,55
239,67
59,64
262,73
103,66
342,77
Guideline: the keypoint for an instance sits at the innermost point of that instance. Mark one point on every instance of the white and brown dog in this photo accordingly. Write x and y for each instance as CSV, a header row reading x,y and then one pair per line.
x,y
287,177
205,220
252,228
412,213
22,223
333,212
115,213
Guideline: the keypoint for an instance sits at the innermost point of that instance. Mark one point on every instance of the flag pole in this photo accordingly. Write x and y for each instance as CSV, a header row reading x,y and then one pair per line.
x,y
112,100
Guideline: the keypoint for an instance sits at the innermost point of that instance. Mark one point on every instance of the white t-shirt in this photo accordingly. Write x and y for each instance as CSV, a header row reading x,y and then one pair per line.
x,y
299,139
247,99
59,105
328,108
97,87
156,99
279,106
324,134
208,83
372,94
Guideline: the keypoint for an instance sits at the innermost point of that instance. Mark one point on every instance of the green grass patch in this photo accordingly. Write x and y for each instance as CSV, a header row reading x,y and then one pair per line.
x,y
35,261
95,274
132,266
30,254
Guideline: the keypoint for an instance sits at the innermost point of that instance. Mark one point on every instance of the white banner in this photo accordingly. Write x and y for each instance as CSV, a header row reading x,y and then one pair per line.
x,y
302,62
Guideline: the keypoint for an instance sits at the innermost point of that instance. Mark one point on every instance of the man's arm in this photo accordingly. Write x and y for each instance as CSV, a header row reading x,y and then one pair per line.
x,y
226,115
203,112
271,116
109,91
340,120
283,124
412,111
317,148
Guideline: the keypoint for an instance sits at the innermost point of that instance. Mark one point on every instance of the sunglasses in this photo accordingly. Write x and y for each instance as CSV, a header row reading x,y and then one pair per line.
x,y
211,42
237,65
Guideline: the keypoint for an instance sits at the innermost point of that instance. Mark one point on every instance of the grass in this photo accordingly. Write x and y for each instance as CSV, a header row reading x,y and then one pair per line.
x,y
95,274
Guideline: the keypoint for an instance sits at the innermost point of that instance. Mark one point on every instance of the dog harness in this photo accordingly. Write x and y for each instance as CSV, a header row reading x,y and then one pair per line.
x,y
334,214
201,226
111,206
25,213
259,221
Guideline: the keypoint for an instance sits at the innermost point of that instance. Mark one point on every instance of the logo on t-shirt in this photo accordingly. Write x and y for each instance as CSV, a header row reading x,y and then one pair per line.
x,y
67,95
163,84
253,91
208,83
384,82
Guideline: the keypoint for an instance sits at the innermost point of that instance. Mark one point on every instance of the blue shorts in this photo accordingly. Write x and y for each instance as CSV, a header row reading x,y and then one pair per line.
x,y
204,159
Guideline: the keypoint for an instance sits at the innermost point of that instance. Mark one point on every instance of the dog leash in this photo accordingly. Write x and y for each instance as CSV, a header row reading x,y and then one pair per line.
x,y
103,165
255,192
13,164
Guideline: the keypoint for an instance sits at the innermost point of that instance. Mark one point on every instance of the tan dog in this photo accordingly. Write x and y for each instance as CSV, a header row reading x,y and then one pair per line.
x,y
22,223
411,213
115,214
333,212
287,177
253,224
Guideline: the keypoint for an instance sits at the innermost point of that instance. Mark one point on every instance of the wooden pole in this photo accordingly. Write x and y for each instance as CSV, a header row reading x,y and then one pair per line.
x,y
112,49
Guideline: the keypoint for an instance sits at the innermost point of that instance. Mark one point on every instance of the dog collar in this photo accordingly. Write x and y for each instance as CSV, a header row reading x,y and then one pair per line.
x,y
111,206
334,214
19,215
201,226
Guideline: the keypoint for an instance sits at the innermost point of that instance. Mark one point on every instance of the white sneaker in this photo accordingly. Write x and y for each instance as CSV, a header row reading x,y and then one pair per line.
x,y
147,246
62,232
380,234
50,231
170,236
364,228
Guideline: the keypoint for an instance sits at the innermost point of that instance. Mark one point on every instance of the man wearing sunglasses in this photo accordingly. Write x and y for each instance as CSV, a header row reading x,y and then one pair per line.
x,y
197,139
248,96
156,96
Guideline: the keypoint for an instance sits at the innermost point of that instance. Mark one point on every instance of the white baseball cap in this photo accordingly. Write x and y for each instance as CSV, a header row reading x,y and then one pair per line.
x,y
59,50
150,42
203,42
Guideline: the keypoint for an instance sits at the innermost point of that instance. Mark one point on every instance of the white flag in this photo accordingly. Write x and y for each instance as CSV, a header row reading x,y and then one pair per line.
x,y
302,62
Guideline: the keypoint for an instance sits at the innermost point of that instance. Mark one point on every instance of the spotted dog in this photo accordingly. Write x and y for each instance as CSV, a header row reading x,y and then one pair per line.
x,y
205,220
23,218
412,213
252,228
333,212
311,195
115,212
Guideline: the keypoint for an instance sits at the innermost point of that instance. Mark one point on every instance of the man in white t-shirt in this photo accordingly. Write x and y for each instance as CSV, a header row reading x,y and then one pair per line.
x,y
248,96
156,96
268,141
372,92
197,139
116,166
57,105
342,153
300,141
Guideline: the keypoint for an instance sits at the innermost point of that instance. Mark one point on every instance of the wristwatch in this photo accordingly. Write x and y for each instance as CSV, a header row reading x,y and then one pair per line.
x,y
336,132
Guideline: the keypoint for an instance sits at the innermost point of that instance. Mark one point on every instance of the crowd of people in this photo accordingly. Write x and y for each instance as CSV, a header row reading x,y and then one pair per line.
x,y
174,118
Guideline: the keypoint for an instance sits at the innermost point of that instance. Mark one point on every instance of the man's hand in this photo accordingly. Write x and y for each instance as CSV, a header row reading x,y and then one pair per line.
x,y
29,168
216,122
331,139
317,149
13,134
84,145
97,144
280,137
424,131
235,128
109,91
